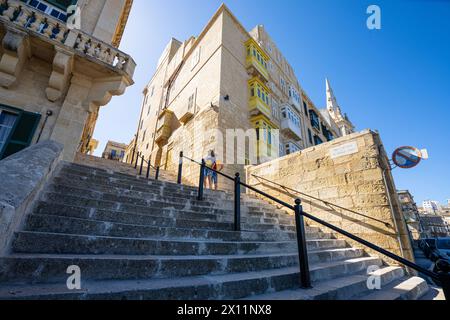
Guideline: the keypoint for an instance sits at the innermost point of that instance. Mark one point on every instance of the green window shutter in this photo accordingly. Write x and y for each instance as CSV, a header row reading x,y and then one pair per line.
x,y
23,133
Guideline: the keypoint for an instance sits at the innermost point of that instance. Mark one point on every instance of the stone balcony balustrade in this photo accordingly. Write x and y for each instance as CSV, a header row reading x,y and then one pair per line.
x,y
82,72
41,24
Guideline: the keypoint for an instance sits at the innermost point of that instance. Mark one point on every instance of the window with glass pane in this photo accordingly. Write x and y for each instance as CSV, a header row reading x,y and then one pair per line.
x,y
7,121
54,8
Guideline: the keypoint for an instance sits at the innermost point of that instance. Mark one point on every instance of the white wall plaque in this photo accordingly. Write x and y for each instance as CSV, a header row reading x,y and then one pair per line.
x,y
344,150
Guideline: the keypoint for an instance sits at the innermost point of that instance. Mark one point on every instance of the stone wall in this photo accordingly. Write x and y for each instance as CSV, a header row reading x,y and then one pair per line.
x,y
23,176
348,172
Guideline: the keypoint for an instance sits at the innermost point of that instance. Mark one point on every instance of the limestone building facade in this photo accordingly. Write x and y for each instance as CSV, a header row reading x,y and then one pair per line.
x,y
347,183
115,151
410,214
230,79
431,206
58,66
129,151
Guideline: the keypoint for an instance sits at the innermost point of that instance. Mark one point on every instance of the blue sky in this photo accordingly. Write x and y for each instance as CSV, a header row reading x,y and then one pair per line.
x,y
395,80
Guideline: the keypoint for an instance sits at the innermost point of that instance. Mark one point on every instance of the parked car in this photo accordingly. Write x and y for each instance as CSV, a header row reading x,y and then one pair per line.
x,y
428,246
443,248
436,248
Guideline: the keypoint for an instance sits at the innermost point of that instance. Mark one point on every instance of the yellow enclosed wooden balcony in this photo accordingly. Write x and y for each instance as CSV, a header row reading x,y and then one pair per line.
x,y
267,135
257,60
259,98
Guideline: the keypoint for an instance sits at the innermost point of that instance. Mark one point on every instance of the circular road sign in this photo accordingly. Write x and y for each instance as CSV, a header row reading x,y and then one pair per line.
x,y
407,157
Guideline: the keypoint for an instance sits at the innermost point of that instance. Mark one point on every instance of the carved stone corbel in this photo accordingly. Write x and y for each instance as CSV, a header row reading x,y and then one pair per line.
x,y
16,52
63,64
103,89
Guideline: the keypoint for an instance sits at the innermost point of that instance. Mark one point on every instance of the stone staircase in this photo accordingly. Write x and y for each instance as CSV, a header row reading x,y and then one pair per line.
x,y
138,239
121,167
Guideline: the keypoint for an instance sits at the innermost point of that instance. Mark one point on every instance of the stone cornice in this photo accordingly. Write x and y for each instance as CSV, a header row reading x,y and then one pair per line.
x,y
122,23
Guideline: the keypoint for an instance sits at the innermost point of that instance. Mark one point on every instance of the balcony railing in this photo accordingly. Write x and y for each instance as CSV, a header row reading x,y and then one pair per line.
x,y
291,129
30,19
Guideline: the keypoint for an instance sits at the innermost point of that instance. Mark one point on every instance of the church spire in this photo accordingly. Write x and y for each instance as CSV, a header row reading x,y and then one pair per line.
x,y
335,112
332,104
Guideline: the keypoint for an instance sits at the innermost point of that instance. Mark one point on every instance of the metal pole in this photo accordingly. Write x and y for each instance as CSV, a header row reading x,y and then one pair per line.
x,y
397,230
180,168
305,279
137,161
148,168
142,165
237,202
157,173
47,115
445,283
201,181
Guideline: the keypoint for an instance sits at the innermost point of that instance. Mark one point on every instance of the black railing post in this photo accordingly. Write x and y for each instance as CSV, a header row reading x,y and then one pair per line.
x,y
445,283
142,165
201,181
305,279
237,202
137,161
157,173
148,168
180,168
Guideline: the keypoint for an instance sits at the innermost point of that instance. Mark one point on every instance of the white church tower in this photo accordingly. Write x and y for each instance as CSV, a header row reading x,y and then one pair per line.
x,y
341,120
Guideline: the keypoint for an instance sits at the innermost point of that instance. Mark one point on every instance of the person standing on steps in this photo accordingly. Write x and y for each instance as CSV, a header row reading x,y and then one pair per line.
x,y
210,175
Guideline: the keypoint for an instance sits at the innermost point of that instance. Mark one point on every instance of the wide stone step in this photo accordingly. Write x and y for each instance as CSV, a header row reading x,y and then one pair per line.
x,y
154,200
433,294
65,225
147,191
125,204
342,288
132,173
120,178
165,189
129,204
51,243
87,173
95,191
54,205
210,287
119,194
412,288
258,226
146,219
145,185
52,269
157,217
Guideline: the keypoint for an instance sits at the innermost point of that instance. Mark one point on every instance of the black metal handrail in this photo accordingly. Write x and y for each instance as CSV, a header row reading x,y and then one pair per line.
x,y
305,280
141,157
323,201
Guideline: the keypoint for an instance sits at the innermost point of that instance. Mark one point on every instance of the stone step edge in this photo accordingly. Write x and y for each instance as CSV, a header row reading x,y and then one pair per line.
x,y
330,288
27,256
172,211
124,177
180,241
406,288
117,287
258,233
249,204
45,198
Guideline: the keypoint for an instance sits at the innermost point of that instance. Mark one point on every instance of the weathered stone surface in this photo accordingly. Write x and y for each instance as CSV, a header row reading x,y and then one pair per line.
x,y
158,242
355,182
23,176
